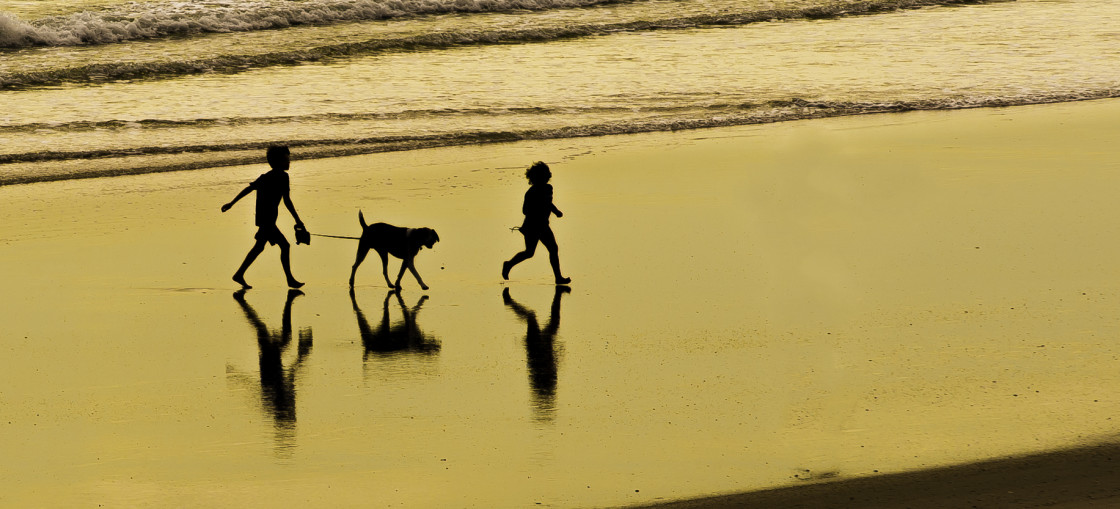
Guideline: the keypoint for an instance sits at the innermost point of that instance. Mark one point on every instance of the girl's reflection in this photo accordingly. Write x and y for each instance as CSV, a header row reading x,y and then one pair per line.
x,y
541,353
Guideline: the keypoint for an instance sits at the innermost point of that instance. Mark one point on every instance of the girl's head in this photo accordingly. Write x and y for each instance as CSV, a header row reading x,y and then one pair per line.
x,y
538,173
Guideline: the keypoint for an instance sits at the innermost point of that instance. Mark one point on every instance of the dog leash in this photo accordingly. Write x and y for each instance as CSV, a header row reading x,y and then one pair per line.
x,y
336,236
515,228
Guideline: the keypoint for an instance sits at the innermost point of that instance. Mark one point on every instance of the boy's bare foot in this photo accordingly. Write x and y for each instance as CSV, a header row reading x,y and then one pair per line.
x,y
505,270
294,284
563,280
239,279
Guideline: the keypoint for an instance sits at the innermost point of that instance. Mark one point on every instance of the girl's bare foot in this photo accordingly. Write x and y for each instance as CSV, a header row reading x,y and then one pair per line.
x,y
239,279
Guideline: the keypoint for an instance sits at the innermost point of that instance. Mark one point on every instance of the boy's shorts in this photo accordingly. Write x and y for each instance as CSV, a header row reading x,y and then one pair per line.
x,y
271,234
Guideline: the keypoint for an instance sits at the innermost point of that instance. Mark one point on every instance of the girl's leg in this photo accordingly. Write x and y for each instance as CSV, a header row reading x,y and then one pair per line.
x,y
549,241
530,248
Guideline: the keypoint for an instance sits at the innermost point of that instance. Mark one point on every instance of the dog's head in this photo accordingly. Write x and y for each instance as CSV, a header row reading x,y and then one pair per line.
x,y
427,237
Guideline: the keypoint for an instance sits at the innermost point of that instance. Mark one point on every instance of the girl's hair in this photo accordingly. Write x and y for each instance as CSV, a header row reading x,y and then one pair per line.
x,y
538,173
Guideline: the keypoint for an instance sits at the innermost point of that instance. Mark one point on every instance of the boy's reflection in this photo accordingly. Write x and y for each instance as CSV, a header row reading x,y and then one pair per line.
x,y
278,384
541,353
386,338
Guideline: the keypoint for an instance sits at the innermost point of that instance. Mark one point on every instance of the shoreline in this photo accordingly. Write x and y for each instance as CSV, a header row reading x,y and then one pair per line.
x,y
60,166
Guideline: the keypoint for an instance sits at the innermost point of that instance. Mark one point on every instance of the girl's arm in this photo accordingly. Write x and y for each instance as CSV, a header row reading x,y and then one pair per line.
x,y
552,206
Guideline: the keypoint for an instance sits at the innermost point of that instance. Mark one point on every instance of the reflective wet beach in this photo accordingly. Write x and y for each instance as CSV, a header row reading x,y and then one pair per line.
x,y
832,299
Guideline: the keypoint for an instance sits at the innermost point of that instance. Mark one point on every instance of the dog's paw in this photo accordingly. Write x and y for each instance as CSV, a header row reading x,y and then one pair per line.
x,y
423,287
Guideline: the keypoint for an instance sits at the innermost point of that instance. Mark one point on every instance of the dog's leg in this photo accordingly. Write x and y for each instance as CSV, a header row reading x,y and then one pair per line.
x,y
400,274
362,251
412,268
385,269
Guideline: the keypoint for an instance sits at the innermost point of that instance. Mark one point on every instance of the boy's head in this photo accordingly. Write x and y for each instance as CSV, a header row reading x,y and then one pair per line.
x,y
538,173
278,157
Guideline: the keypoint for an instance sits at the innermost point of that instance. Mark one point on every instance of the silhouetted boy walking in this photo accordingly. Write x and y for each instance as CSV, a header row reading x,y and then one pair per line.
x,y
271,187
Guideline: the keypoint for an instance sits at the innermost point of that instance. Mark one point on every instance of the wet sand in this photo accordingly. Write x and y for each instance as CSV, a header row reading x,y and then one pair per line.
x,y
814,307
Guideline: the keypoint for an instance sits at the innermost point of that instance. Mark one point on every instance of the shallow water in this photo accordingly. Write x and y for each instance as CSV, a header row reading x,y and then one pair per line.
x,y
420,80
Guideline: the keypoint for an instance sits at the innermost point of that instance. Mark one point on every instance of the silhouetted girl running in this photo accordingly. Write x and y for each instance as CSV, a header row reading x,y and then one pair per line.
x,y
538,208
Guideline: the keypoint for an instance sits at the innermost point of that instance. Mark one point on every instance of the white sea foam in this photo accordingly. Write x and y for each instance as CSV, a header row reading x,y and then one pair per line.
x,y
153,20
15,33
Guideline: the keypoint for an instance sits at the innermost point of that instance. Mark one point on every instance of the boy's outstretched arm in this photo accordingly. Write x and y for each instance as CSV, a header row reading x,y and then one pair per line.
x,y
557,211
247,190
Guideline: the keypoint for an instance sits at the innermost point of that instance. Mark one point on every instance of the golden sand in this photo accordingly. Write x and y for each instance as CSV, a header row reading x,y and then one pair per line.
x,y
751,307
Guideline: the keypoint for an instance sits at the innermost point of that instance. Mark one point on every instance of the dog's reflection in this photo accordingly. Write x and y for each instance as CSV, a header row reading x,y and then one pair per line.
x,y
541,352
388,338
277,383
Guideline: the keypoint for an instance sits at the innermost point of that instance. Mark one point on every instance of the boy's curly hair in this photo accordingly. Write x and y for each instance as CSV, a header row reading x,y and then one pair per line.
x,y
538,173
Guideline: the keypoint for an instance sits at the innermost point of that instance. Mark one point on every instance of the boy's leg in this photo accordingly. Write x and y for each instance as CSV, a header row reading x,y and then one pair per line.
x,y
286,261
254,251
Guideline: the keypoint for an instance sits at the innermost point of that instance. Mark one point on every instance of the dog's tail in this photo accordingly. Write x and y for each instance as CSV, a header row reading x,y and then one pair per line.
x,y
361,220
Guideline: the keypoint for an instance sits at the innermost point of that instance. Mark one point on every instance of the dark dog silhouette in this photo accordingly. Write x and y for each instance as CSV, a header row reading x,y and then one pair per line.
x,y
386,239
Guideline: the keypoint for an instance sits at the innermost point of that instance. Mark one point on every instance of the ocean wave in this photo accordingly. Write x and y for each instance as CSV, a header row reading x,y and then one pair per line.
x,y
140,160
139,20
250,122
234,63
